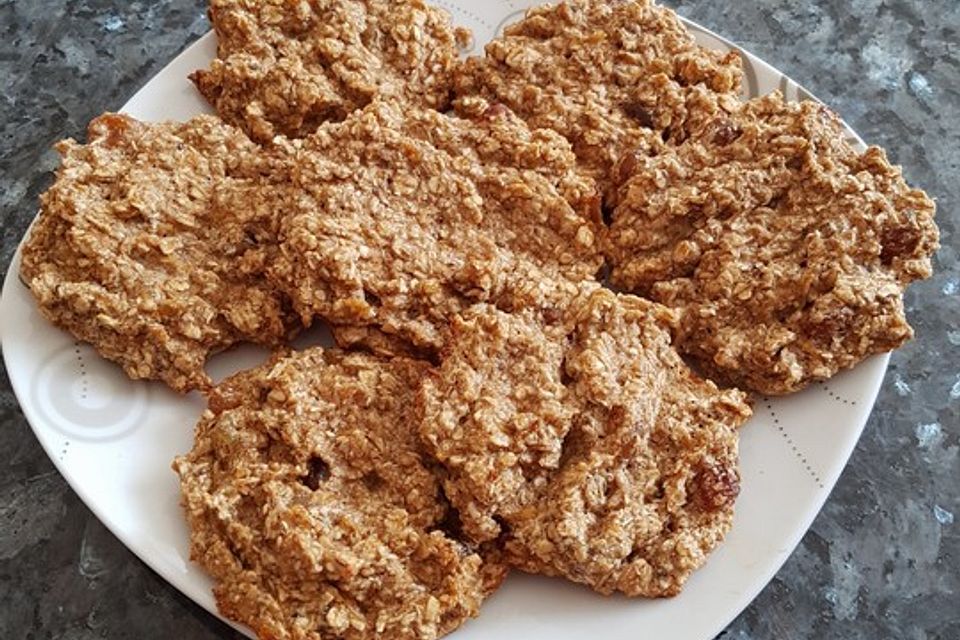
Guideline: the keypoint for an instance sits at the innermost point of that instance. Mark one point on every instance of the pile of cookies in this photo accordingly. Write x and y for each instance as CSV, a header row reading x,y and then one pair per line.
x,y
491,403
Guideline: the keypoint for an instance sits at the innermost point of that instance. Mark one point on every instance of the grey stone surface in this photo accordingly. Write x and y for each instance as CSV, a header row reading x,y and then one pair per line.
x,y
882,559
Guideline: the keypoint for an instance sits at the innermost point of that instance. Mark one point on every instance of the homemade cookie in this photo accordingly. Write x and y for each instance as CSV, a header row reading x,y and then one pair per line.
x,y
786,251
151,244
311,505
585,446
284,68
405,217
610,76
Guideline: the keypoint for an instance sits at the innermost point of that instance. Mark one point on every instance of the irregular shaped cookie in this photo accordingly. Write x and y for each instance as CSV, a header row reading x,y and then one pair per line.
x,y
496,414
284,68
151,246
587,447
786,251
610,76
405,217
311,505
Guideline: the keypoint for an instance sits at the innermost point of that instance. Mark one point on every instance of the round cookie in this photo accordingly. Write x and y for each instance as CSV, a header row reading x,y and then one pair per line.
x,y
785,251
403,217
285,68
311,505
609,76
152,244
586,446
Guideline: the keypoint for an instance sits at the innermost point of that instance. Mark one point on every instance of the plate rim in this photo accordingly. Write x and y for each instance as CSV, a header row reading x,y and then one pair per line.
x,y
183,582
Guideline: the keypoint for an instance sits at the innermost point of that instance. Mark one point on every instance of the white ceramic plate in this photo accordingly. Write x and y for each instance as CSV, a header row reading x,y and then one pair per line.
x,y
114,439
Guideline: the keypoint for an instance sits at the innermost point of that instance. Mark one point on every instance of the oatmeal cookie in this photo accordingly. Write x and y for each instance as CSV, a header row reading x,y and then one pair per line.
x,y
405,217
284,68
585,446
610,76
151,246
786,251
312,507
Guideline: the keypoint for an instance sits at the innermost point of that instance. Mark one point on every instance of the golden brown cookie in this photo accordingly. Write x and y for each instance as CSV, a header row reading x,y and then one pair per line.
x,y
405,217
311,505
284,68
586,446
151,245
786,251
610,76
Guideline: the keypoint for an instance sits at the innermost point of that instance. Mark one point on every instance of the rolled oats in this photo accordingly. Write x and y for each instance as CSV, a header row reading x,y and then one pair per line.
x,y
311,505
586,446
785,251
284,68
404,217
610,76
152,244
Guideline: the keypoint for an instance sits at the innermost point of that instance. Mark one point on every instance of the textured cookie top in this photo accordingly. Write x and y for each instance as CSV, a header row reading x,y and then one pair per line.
x,y
151,245
310,504
587,447
784,249
610,76
284,68
405,217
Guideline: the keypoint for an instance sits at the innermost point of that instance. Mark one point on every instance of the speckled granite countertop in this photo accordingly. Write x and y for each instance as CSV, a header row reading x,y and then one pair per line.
x,y
882,559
